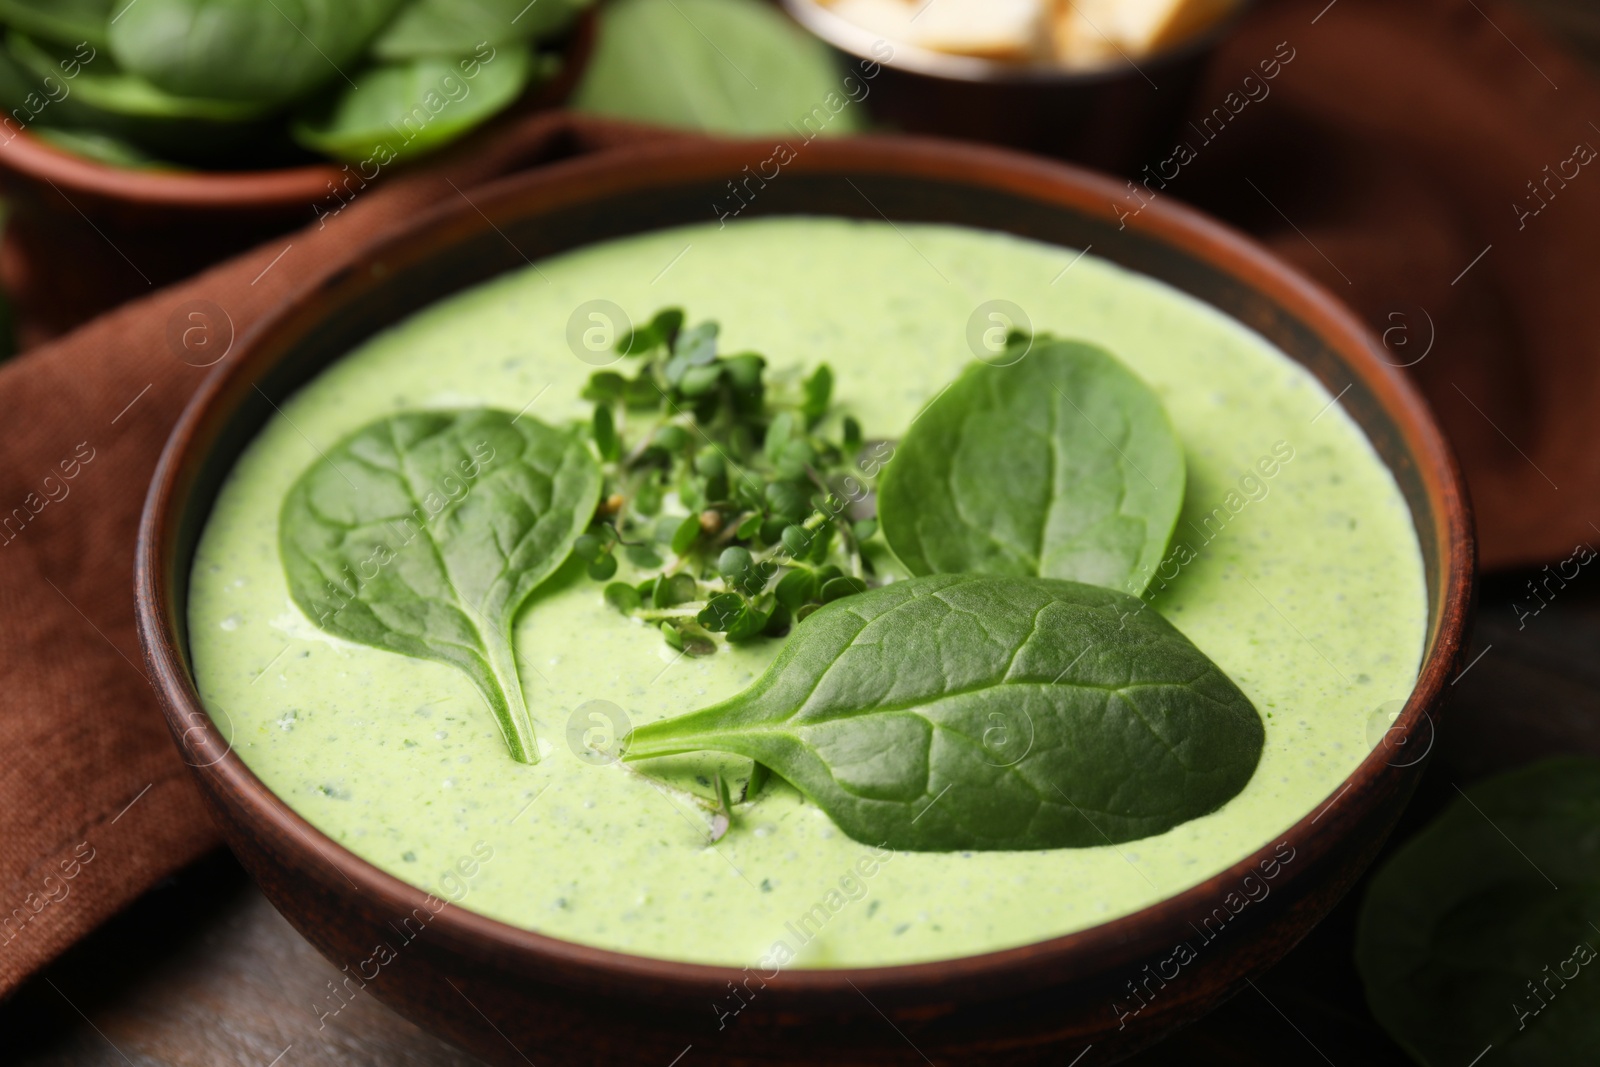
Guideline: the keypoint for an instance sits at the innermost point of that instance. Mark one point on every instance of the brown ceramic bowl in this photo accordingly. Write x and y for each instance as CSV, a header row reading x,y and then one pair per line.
x,y
513,996
1114,117
84,236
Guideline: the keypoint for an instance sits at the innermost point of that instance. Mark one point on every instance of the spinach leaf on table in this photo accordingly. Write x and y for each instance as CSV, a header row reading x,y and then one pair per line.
x,y
266,51
723,66
396,110
971,712
456,27
62,21
1063,464
423,533
1482,930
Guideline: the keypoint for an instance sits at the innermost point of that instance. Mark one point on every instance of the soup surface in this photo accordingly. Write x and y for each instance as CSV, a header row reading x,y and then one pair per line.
x,y
1306,587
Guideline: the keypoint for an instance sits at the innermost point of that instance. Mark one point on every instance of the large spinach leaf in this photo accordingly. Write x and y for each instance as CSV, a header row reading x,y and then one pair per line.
x,y
405,109
724,66
1063,464
258,50
1480,937
971,712
456,27
423,533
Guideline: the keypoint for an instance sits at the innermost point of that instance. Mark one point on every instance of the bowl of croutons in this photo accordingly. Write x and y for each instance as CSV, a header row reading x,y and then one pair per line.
x,y
1103,82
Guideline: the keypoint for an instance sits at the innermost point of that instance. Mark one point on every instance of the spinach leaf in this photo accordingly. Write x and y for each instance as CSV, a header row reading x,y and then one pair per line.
x,y
424,532
724,66
266,51
81,91
63,21
99,92
971,712
456,27
396,110
102,148
1062,465
1465,941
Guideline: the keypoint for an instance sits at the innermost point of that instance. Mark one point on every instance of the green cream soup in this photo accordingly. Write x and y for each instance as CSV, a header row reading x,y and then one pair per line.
x,y
1305,585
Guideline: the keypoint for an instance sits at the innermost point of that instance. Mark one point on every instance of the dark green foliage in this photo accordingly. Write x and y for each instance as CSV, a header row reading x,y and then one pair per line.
x,y
881,709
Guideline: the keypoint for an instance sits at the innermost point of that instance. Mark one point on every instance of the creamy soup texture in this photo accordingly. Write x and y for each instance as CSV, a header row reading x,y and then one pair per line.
x,y
1305,586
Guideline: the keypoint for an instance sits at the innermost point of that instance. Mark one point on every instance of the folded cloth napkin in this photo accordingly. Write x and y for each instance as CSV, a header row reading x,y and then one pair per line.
x,y
1436,165
1389,154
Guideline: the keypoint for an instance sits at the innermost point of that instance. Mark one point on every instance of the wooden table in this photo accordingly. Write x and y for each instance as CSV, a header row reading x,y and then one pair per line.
x,y
202,971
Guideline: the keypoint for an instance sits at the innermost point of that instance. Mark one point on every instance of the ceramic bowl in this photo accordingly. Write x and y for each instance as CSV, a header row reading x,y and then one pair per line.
x,y
513,996
83,236
1115,117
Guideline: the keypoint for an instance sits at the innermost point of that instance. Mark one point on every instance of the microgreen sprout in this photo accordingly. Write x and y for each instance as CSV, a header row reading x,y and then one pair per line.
x,y
737,501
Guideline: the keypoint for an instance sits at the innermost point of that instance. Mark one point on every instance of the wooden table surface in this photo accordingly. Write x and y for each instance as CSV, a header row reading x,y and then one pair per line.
x,y
202,971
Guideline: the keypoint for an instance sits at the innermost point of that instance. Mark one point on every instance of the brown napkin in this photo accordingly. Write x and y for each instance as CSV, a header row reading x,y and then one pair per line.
x,y
95,804
1387,156
1390,154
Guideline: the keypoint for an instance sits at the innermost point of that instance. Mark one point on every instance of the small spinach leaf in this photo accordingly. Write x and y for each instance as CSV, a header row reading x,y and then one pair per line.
x,y
1465,941
723,66
423,533
1062,465
971,712
258,50
404,109
456,27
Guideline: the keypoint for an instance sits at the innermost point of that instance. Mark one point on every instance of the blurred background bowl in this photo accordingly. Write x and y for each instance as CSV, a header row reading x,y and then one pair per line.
x,y
1110,117
171,222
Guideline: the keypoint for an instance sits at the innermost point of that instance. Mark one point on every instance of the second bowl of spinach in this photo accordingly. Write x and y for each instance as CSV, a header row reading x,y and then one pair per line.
x,y
250,84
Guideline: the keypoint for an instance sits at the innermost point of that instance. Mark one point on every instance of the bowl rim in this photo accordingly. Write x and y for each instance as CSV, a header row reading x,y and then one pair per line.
x,y
278,187
1060,185
856,40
